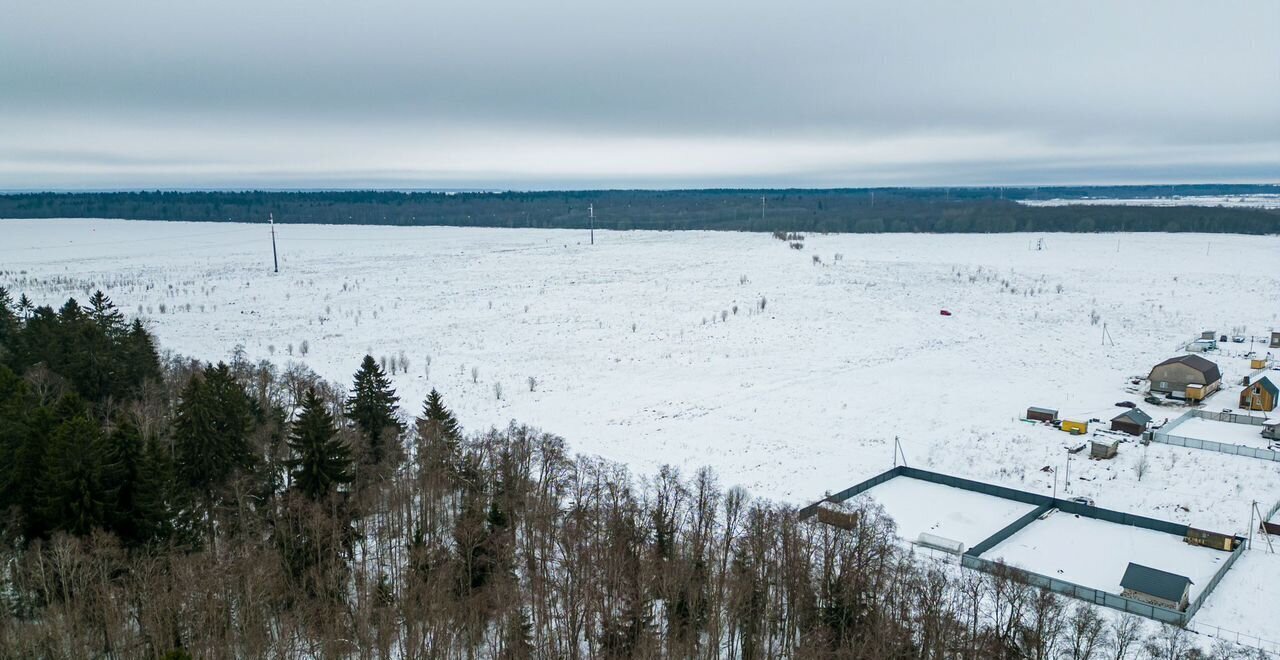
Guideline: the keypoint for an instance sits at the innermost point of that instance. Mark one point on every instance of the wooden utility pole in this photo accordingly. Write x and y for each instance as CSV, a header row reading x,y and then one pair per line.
x,y
275,259
591,211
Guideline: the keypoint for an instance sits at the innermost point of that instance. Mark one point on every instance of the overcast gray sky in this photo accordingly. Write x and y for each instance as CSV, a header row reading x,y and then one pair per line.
x,y
659,93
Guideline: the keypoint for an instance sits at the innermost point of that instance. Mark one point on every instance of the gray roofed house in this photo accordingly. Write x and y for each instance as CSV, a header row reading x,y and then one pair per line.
x,y
1173,376
1152,585
1132,421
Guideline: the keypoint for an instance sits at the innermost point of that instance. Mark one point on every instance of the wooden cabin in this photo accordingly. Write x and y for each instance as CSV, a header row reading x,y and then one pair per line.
x,y
1259,395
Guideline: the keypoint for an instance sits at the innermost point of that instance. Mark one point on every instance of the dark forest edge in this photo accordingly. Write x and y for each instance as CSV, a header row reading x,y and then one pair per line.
x,y
161,507
861,210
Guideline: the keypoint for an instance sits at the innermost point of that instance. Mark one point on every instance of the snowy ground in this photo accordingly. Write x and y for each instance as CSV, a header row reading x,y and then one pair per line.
x,y
1244,601
952,513
1225,432
1263,201
634,362
1095,553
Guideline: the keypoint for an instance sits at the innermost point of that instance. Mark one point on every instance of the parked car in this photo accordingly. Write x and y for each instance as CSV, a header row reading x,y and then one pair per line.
x,y
1087,501
1126,404
1239,339
1223,339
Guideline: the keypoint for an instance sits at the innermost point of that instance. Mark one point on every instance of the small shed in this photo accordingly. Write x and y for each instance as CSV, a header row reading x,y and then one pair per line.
x,y
1260,395
1154,586
1042,414
1258,363
1271,431
1208,334
1275,339
1074,427
1103,447
1132,421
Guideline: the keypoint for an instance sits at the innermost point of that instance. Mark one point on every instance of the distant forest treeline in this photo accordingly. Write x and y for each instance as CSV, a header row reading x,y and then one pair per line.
x,y
865,210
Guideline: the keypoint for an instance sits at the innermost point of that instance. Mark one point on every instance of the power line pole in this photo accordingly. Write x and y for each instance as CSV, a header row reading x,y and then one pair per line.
x,y
762,210
591,211
275,259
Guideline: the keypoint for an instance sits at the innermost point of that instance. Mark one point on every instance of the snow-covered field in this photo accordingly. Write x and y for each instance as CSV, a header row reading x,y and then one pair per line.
x,y
1095,553
652,347
951,513
638,353
1261,201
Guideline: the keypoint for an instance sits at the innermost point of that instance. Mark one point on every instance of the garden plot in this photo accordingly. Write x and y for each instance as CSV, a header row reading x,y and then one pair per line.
x,y
952,513
1225,432
1094,553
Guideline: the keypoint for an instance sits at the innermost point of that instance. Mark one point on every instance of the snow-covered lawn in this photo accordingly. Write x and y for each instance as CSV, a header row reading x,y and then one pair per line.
x,y
1094,553
952,513
1224,432
632,360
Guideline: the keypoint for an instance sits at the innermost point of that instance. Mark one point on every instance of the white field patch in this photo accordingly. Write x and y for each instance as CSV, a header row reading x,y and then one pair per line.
x,y
1095,553
1225,432
919,506
1246,598
638,355
1259,201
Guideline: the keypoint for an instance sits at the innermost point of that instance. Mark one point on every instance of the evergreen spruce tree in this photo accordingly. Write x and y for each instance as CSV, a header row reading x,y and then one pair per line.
x,y
75,492
8,322
434,410
372,409
25,306
211,431
138,486
321,460
105,315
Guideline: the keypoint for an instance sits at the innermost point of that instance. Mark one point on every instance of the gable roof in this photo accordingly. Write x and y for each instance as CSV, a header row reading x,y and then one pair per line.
x,y
1266,384
1134,415
1206,367
1154,582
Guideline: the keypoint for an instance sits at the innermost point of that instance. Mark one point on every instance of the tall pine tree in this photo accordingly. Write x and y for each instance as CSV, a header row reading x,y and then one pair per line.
x,y
321,460
372,409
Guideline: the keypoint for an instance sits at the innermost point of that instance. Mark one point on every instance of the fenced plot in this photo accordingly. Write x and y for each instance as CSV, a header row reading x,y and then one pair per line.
x,y
1095,553
919,506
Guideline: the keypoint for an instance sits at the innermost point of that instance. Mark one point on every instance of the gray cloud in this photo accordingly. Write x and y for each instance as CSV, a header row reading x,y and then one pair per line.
x,y
593,92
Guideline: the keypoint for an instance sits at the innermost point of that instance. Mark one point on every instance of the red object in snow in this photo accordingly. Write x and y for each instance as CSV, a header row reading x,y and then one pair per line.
x,y
946,313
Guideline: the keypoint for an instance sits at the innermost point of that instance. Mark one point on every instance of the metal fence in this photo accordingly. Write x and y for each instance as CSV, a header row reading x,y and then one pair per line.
x,y
1232,417
1088,594
1163,435
1213,581
1221,447
1043,503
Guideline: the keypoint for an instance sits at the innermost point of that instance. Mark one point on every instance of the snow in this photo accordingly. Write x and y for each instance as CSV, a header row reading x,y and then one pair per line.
x,y
1243,602
1095,553
804,397
1226,432
919,506
1262,201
